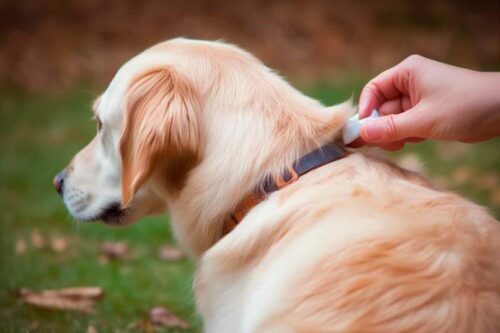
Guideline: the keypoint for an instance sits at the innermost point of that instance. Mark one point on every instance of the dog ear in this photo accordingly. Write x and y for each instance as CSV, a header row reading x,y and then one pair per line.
x,y
161,110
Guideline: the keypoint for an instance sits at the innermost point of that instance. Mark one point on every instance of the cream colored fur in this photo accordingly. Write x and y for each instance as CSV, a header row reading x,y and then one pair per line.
x,y
358,245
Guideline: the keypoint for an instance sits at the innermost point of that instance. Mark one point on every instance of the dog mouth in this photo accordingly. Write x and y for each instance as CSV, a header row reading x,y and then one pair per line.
x,y
84,210
112,214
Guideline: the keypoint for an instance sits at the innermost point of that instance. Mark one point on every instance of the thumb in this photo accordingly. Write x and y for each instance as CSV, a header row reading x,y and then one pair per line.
x,y
391,128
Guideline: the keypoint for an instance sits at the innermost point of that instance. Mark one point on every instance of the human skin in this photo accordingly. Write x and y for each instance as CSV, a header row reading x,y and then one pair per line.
x,y
422,99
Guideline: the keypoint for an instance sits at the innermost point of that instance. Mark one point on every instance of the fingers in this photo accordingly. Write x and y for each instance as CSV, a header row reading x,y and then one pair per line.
x,y
392,93
388,85
370,99
392,106
391,128
393,146
414,140
357,143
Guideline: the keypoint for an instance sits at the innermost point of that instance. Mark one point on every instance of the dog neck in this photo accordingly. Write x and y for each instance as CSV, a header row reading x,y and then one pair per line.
x,y
235,162
326,154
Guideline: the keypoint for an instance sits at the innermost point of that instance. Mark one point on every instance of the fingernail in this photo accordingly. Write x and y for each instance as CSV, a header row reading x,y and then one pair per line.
x,y
372,130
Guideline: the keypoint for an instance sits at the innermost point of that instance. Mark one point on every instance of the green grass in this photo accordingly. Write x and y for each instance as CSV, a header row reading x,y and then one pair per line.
x,y
38,136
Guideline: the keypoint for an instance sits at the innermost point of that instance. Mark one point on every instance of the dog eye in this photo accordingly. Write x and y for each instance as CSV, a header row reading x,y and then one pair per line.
x,y
99,124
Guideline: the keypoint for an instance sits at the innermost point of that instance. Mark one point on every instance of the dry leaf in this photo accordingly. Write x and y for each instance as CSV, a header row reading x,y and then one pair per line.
x,y
58,303
147,326
160,316
37,239
80,299
113,250
93,293
91,329
170,253
411,162
21,246
58,244
462,175
144,324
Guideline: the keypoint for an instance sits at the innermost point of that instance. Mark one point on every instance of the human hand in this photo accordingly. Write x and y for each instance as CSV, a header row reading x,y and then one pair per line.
x,y
424,99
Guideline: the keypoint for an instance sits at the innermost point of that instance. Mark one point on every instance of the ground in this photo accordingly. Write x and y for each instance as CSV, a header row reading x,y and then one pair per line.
x,y
40,133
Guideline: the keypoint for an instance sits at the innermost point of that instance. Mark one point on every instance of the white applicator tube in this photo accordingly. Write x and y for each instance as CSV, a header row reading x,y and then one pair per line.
x,y
352,129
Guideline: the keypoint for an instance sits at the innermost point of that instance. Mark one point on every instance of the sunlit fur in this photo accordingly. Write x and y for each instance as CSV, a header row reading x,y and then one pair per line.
x,y
358,245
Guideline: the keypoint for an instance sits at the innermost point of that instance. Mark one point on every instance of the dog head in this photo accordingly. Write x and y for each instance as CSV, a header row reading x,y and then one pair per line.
x,y
192,122
146,124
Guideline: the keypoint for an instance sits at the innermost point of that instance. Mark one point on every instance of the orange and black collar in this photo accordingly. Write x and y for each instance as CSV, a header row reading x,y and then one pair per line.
x,y
326,154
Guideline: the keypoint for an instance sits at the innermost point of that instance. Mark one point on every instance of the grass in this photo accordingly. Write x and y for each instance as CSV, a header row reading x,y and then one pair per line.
x,y
38,136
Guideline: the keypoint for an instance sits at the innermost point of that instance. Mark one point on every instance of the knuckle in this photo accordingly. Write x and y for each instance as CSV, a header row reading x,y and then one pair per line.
x,y
414,58
373,91
413,62
369,87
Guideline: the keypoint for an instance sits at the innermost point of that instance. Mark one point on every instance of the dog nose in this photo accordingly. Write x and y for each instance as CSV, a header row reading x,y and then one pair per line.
x,y
59,180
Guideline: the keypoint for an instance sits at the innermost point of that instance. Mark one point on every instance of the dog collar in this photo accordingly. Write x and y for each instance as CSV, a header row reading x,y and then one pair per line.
x,y
313,160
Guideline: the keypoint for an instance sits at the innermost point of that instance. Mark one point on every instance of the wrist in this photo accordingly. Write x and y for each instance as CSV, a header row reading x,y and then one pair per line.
x,y
488,84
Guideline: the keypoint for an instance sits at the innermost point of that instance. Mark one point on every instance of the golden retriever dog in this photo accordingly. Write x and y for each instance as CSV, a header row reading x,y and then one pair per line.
x,y
206,132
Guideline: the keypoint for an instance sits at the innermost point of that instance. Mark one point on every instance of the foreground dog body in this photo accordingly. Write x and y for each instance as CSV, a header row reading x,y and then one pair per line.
x,y
356,245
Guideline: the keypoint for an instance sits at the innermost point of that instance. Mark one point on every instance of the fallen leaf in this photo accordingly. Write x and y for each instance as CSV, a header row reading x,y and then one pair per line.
x,y
91,329
462,175
113,251
160,316
58,244
93,293
37,239
58,303
144,325
21,246
80,299
170,253
411,162
147,326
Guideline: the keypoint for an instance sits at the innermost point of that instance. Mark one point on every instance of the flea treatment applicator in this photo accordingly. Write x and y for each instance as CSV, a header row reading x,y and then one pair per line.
x,y
352,129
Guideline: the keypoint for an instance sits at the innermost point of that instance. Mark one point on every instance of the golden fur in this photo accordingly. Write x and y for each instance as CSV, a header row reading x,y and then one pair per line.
x,y
358,245
151,132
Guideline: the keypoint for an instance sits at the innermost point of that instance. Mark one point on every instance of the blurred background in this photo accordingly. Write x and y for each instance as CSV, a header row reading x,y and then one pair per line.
x,y
49,44
56,56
